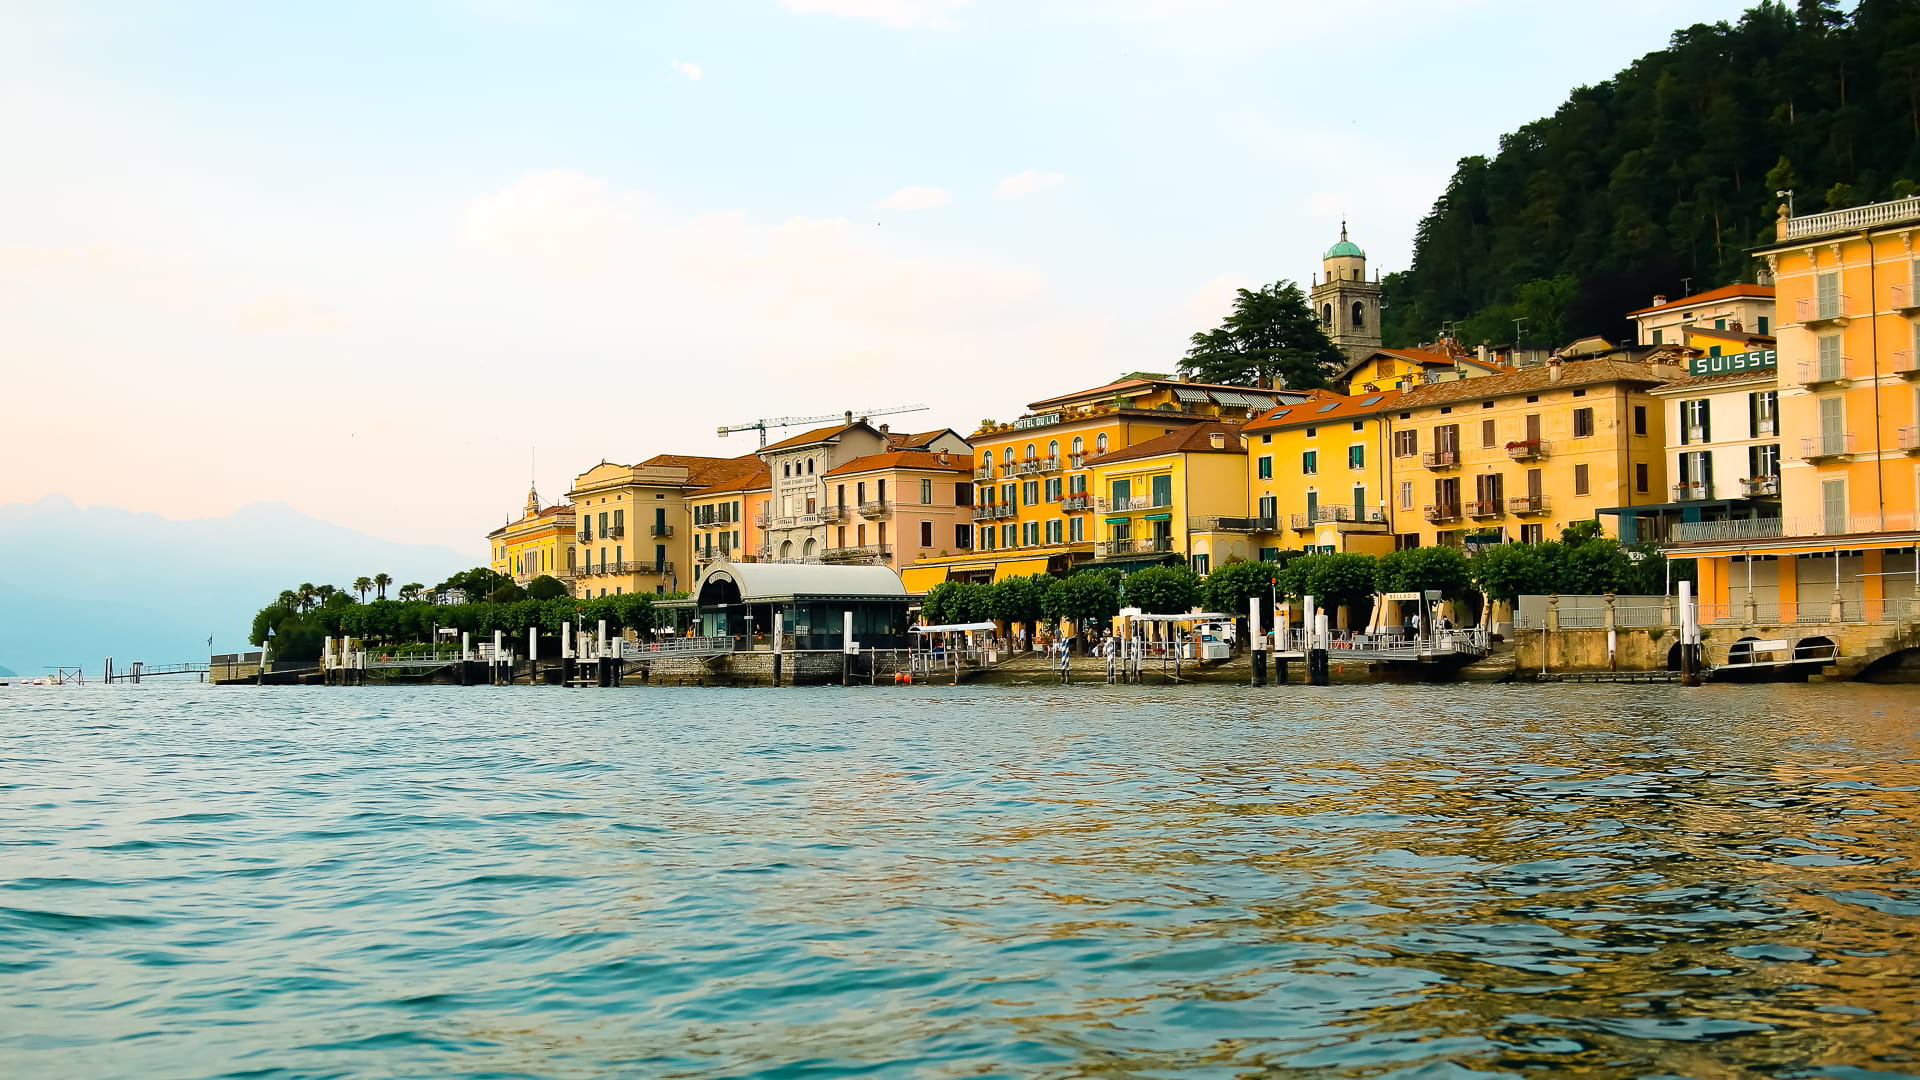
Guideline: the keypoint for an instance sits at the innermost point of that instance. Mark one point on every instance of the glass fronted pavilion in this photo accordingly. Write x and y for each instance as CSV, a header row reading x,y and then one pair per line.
x,y
738,600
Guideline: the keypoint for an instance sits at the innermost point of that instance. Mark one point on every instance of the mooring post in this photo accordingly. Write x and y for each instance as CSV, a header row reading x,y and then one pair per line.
x,y
1689,637
566,653
846,647
778,652
1258,640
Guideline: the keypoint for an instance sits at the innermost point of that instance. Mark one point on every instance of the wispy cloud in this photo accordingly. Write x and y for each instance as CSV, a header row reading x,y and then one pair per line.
x,y
562,223
1028,182
915,198
898,13
690,69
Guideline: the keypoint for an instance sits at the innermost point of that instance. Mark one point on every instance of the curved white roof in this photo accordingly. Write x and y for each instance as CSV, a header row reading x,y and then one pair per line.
x,y
771,580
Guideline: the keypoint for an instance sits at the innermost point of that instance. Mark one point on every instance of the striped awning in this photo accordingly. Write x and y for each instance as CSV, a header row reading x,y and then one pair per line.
x,y
1185,393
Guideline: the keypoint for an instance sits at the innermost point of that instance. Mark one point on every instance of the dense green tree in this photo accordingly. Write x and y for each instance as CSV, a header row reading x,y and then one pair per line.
x,y
380,583
957,602
1228,588
1020,599
1422,568
546,587
1508,571
411,590
1271,337
1162,590
363,585
1333,579
1088,598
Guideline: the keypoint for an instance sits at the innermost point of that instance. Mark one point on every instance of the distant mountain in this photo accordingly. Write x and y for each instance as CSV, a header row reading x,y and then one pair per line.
x,y
82,584
8,673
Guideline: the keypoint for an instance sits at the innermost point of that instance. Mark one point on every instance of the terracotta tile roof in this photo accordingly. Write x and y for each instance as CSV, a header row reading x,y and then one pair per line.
x,y
912,441
1322,410
1148,384
1193,439
752,480
1528,380
701,470
822,434
905,459
1729,335
1724,292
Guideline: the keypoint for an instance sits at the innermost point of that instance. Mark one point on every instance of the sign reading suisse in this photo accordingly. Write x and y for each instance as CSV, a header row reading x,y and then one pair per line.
x,y
1721,365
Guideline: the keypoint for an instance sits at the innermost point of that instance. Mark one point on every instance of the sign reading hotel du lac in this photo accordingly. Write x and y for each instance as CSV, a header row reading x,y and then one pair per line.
x,y
1746,361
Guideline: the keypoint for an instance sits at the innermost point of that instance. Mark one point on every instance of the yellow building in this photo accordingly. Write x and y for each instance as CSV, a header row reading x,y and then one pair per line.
x,y
1033,502
1400,369
1844,548
649,499
1164,500
1518,456
1317,476
539,542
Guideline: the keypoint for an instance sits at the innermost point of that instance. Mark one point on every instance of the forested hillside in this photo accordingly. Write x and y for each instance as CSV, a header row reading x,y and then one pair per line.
x,y
1668,171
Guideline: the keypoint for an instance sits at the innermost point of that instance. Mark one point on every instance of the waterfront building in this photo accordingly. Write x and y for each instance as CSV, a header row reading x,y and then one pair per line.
x,y
1348,304
1178,497
1731,309
1723,442
539,541
1519,455
1845,547
1401,369
1317,476
739,601
899,506
801,510
720,517
1033,503
650,499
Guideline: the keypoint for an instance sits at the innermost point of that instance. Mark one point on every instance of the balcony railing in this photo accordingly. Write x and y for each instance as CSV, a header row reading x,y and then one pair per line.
x,y
1484,508
1522,505
1076,503
1814,310
1827,447
1903,364
584,537
661,528
1136,502
1440,514
833,515
872,553
1341,514
1906,298
984,472
993,511
649,568
1529,449
1146,545
1037,466
1692,491
1908,438
1245,524
1754,487
1440,459
1077,461
763,519
1830,372
878,508
1775,528
1854,219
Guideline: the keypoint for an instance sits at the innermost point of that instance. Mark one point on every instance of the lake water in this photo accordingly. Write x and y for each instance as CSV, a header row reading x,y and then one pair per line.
x,y
1407,882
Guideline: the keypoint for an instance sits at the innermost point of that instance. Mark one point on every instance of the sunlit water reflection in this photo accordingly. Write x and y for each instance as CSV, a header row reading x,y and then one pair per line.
x,y
1055,882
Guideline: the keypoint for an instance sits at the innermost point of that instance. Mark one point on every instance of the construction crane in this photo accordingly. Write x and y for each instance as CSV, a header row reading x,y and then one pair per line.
x,y
762,425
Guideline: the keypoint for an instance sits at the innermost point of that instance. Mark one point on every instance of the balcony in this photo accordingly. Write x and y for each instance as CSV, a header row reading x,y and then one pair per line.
x,y
1692,491
1906,298
611,569
1136,502
584,537
1854,219
1347,518
1904,366
1147,545
1755,487
1908,439
763,519
1440,459
660,528
1481,509
833,515
993,511
1525,505
1529,449
613,532
870,554
808,520
1037,466
1077,461
879,508
1245,524
1823,448
984,472
1074,504
1830,374
1822,311
1439,515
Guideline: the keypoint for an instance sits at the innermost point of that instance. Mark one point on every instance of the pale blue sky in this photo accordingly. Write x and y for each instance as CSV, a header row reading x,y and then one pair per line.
x,y
430,235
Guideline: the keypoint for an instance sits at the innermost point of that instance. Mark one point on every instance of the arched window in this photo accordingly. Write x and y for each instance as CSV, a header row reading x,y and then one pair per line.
x,y
1326,315
786,550
809,466
786,468
1079,445
806,552
1053,450
1006,456
1100,443
986,459
1359,314
1031,454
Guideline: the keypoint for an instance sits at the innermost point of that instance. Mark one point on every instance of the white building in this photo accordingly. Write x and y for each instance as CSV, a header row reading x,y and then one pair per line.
x,y
1723,438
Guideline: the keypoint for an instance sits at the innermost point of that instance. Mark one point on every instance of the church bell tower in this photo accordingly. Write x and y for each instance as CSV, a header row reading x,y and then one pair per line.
x,y
1347,303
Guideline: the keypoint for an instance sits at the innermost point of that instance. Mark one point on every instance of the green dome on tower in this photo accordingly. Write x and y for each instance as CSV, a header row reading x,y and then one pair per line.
x,y
1345,248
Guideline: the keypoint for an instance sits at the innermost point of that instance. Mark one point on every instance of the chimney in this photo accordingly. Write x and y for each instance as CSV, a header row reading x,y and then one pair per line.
x,y
849,416
1735,325
1553,368
1658,300
883,429
1218,439
943,457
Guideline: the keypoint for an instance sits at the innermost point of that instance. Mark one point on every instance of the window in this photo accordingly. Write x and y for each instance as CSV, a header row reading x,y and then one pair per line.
x,y
1826,295
1406,443
1832,364
1357,456
926,534
1031,452
926,493
809,466
1659,337
1640,477
1079,446
1763,411
1695,421
963,494
1639,419
1533,534
1579,479
1310,462
1030,492
1579,393
1266,467
1312,432
1030,533
1267,438
1359,425
1406,494
1200,561
1076,530
1053,450
1053,531
1486,432
1763,461
1359,320
1100,443
1582,423
1009,535
1833,506
963,537
1006,457
1053,489
1719,324
1763,324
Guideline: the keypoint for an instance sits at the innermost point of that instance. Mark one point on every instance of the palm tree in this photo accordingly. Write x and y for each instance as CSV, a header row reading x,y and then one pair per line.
x,y
361,584
289,600
306,593
380,582
325,592
411,590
